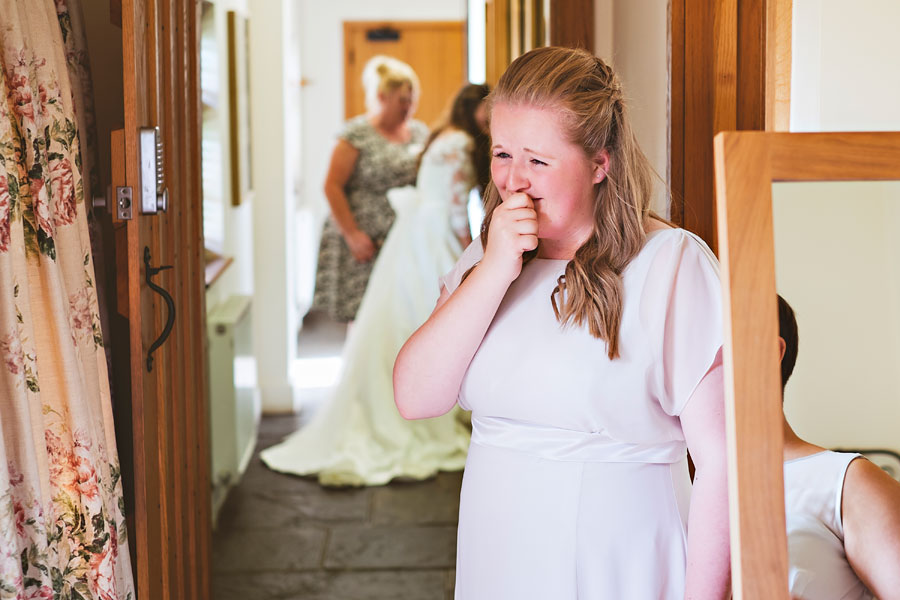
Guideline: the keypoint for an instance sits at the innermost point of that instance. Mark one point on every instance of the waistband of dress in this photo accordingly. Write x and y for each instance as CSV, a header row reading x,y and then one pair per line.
x,y
554,443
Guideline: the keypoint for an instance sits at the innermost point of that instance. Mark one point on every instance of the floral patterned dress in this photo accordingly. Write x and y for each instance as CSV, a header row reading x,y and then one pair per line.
x,y
341,280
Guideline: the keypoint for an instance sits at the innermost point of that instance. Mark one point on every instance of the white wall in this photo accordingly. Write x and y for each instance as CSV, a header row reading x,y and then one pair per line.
x,y
845,75
845,66
322,65
275,319
632,35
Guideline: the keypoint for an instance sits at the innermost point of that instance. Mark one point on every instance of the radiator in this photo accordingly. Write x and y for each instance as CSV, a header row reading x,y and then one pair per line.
x,y
234,398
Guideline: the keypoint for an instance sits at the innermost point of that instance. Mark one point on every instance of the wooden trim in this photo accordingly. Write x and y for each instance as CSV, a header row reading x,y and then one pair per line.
x,y
170,371
747,163
778,65
498,39
215,266
676,49
719,73
516,41
234,154
750,72
699,118
572,23
146,484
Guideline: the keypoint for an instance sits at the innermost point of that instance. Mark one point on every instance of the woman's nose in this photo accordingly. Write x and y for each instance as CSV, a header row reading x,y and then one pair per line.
x,y
516,180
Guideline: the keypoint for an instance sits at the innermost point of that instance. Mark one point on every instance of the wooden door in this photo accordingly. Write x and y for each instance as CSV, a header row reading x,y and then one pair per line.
x,y
168,457
436,50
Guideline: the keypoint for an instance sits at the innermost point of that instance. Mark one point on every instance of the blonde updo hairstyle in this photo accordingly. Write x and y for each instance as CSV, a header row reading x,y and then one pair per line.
x,y
587,95
384,74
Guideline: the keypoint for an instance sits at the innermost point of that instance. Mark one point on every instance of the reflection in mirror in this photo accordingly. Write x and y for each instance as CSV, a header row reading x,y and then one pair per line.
x,y
837,261
837,264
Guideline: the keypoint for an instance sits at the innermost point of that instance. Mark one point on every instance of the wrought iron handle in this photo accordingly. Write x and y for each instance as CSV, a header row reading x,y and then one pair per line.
x,y
150,272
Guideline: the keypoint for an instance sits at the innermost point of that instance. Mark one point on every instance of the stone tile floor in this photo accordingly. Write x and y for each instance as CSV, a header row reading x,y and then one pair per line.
x,y
281,537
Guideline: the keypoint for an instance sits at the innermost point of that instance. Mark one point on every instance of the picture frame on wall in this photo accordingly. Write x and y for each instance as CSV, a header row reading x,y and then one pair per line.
x,y
238,28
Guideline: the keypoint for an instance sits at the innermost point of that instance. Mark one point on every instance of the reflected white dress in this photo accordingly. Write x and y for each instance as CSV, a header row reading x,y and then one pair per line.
x,y
576,484
358,437
818,565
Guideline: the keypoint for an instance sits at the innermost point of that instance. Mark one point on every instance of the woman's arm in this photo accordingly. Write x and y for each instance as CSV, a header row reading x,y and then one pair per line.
x,y
431,365
870,511
709,553
343,161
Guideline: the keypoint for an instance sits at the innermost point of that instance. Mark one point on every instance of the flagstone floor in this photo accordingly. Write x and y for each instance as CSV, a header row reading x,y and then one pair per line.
x,y
281,537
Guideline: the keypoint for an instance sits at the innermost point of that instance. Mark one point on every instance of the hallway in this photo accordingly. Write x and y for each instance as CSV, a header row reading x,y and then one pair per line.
x,y
281,537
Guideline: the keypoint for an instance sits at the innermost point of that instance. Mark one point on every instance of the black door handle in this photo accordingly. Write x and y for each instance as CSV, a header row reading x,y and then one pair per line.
x,y
150,272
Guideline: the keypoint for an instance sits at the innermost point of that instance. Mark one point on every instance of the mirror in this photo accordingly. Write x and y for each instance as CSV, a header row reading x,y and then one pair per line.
x,y
837,262
824,241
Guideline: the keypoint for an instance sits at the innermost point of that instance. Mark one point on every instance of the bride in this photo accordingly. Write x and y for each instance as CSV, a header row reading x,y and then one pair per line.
x,y
358,437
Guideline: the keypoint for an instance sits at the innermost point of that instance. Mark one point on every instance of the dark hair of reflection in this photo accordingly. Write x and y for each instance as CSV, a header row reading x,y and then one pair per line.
x,y
787,330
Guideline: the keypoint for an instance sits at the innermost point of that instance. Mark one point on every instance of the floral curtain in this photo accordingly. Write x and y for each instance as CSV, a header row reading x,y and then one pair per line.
x,y
62,527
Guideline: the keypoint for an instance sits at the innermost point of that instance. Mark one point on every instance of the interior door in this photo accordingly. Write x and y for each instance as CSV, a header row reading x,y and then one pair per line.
x,y
160,360
434,49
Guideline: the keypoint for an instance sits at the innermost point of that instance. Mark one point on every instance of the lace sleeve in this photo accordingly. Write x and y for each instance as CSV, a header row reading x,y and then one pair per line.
x,y
462,182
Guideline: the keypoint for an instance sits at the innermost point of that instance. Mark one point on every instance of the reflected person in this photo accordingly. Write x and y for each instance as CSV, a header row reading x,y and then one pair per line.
x,y
843,511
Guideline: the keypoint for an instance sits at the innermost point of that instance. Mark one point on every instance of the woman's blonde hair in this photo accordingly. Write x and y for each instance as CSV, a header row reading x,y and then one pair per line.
x,y
384,74
587,95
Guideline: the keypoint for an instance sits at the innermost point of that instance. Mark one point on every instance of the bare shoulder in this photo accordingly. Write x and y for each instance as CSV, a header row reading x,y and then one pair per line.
x,y
866,485
870,511
344,148
343,159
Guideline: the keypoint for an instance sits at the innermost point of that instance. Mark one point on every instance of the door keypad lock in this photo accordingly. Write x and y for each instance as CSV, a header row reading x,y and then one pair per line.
x,y
154,194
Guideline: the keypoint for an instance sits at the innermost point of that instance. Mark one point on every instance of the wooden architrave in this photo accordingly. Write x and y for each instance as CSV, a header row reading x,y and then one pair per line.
x,y
746,166
572,23
729,68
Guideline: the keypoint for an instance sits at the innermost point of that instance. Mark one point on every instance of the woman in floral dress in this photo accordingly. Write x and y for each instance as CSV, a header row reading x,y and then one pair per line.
x,y
374,152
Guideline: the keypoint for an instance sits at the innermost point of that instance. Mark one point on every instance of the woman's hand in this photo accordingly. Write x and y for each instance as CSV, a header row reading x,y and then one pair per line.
x,y
513,231
361,245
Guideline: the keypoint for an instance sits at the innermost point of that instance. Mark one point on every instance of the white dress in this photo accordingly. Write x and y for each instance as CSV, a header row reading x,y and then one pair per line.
x,y
576,484
358,437
818,565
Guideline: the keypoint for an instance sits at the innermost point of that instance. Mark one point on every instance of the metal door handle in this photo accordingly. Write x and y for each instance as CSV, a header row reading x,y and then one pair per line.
x,y
150,272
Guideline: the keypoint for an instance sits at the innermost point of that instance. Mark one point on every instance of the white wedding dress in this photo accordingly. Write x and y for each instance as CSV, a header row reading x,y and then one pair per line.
x,y
358,437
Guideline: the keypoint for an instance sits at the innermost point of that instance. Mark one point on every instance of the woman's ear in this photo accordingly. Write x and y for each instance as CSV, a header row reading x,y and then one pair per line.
x,y
601,165
782,347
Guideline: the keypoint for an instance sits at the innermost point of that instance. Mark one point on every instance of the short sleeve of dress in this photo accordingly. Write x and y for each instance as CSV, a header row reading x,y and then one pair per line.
x,y
355,131
682,301
469,258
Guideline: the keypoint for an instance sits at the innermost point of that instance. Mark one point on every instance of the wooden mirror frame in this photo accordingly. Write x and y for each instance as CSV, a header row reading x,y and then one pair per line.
x,y
746,166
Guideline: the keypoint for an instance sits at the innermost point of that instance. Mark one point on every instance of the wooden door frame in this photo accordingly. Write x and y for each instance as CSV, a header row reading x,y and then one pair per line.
x,y
564,20
729,69
747,164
